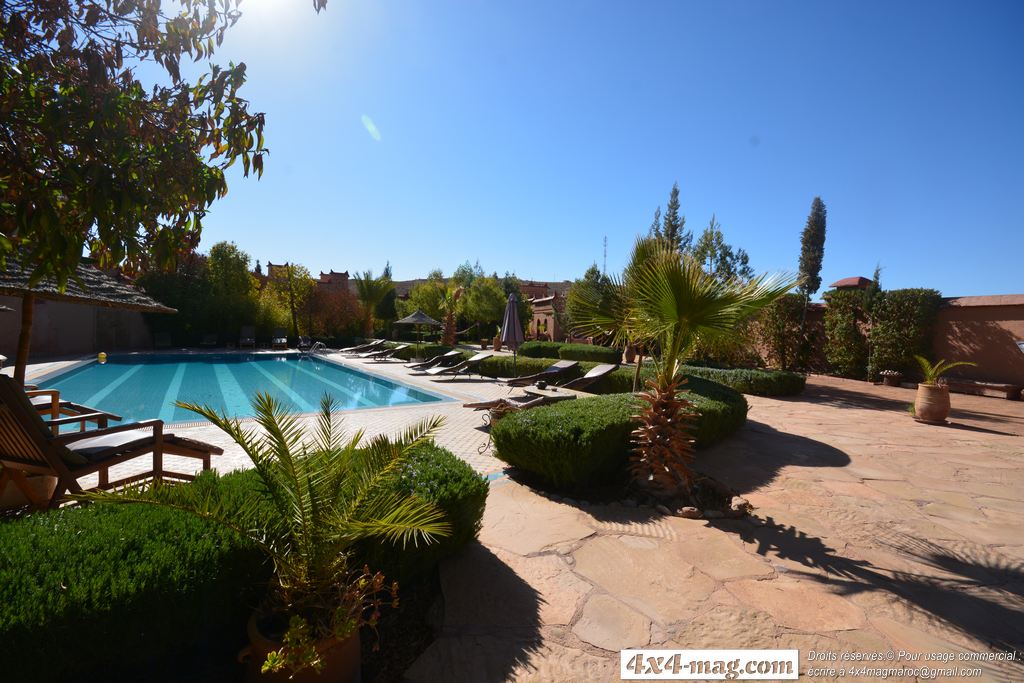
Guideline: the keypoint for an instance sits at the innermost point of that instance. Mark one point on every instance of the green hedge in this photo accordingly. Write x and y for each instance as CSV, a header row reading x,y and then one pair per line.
x,y
845,344
437,475
101,591
901,326
424,350
540,349
590,352
756,382
574,444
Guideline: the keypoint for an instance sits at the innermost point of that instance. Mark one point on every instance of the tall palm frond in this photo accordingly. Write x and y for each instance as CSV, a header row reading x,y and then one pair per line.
x,y
666,302
371,291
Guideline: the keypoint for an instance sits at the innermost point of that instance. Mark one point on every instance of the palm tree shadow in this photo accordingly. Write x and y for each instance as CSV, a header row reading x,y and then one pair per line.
x,y
978,593
491,623
753,457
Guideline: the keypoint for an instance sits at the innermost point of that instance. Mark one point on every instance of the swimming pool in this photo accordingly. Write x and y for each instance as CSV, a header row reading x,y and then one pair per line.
x,y
145,387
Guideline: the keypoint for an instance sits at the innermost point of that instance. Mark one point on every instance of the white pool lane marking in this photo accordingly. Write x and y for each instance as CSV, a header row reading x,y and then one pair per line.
x,y
109,389
303,405
230,389
358,398
167,407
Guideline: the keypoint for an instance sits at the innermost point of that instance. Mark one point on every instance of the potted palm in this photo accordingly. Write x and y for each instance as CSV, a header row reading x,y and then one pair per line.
x,y
496,342
322,492
931,405
664,302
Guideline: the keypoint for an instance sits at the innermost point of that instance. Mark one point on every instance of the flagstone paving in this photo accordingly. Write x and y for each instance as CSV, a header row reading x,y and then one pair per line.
x,y
872,533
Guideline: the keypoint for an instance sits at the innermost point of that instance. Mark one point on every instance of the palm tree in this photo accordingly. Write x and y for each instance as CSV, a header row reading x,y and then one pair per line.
x,y
320,493
449,304
665,303
371,291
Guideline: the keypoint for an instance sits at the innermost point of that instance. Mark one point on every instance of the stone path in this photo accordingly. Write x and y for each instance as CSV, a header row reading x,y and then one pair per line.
x,y
872,533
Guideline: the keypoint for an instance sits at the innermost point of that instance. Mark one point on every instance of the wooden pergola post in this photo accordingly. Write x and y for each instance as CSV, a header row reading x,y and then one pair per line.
x,y
28,301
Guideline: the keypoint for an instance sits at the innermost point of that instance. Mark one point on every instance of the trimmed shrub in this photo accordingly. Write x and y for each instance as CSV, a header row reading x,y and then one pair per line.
x,y
901,326
570,443
845,344
435,474
502,366
104,591
756,382
579,443
540,349
591,352
425,350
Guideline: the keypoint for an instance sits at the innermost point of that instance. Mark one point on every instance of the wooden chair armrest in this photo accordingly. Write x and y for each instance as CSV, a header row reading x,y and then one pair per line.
x,y
42,392
71,419
156,425
86,410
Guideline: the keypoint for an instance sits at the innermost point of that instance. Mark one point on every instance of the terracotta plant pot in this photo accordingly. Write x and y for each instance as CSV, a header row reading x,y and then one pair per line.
x,y
341,659
932,403
630,354
13,498
497,343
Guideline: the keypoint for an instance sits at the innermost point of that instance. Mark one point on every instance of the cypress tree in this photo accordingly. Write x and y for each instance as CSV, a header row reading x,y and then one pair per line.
x,y
812,250
655,229
674,226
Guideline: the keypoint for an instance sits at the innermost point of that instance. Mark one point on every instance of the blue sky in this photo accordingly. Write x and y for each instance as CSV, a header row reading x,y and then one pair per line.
x,y
523,133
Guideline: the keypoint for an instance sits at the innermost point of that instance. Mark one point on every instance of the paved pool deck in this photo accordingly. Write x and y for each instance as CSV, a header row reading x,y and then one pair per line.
x,y
871,533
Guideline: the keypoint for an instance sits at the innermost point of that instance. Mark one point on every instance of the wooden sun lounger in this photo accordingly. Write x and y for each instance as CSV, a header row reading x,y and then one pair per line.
x,y
466,367
359,348
247,337
383,354
595,374
549,374
445,360
279,340
27,445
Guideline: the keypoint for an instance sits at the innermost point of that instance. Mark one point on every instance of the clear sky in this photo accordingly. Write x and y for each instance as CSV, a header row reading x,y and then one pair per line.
x,y
523,133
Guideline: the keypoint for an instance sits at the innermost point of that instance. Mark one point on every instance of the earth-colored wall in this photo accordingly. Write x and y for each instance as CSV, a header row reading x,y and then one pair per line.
x,y
65,329
983,329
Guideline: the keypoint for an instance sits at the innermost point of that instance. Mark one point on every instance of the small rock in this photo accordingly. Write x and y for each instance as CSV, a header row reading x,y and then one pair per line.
x,y
739,501
713,514
570,560
688,512
630,503
662,509
564,550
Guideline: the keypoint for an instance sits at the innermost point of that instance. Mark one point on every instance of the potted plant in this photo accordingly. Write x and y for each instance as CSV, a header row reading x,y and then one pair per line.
x,y
497,340
931,405
321,493
891,378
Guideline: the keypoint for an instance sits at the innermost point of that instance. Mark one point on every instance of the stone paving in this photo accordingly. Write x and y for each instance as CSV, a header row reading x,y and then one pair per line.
x,y
872,533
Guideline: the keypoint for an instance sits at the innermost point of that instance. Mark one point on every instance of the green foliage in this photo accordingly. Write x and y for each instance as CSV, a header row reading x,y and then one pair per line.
x,y
424,350
426,297
371,291
812,249
591,352
932,373
502,366
672,228
131,166
540,349
80,583
484,301
593,286
845,344
187,289
574,444
718,257
321,493
571,443
901,327
779,331
756,382
436,475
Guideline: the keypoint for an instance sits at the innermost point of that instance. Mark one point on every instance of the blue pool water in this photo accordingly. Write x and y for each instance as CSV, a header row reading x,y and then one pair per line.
x,y
145,387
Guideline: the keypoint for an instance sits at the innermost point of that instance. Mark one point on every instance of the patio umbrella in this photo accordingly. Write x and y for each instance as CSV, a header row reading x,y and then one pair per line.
x,y
418,318
511,330
89,285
